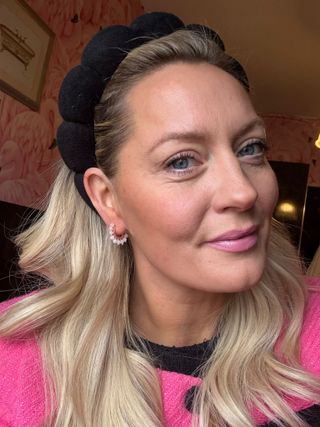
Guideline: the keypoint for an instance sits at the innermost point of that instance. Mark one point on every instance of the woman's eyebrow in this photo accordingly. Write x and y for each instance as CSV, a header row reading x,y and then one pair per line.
x,y
196,136
256,123
191,135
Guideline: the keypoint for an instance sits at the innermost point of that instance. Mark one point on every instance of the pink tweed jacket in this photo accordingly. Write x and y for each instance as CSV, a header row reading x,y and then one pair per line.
x,y
22,391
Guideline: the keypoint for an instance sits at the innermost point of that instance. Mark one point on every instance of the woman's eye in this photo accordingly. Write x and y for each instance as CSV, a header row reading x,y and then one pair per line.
x,y
255,148
181,163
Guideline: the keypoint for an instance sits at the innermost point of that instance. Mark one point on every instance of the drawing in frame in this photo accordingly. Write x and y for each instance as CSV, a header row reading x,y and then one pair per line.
x,y
25,48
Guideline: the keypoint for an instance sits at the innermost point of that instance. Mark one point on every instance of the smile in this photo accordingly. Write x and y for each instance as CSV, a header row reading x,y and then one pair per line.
x,y
236,240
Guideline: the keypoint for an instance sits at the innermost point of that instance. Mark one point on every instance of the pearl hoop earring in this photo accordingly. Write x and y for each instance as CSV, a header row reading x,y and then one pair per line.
x,y
116,239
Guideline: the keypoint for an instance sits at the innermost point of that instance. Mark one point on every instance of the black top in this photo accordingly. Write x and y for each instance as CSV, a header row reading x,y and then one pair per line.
x,y
186,360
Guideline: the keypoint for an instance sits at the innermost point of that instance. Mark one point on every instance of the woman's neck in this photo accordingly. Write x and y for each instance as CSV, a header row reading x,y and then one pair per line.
x,y
174,316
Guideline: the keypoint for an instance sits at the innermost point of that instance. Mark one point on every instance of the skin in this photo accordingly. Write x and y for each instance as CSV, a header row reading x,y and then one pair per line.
x,y
174,194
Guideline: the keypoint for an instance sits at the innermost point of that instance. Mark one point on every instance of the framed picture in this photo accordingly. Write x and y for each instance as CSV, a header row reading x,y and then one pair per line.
x,y
25,48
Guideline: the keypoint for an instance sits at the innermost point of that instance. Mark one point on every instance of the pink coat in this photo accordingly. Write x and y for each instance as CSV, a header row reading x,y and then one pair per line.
x,y
22,391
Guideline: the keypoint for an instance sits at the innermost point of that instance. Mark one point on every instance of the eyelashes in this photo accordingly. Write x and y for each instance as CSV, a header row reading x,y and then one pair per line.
x,y
253,153
256,148
187,162
182,163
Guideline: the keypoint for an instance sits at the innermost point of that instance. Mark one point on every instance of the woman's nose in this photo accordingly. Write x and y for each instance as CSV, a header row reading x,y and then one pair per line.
x,y
234,188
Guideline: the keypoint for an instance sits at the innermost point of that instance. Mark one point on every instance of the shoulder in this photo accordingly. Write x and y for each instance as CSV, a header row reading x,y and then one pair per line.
x,y
313,300
11,349
21,379
7,304
310,334
312,309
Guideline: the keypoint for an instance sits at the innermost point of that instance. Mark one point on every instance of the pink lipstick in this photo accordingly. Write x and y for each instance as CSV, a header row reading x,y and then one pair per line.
x,y
236,240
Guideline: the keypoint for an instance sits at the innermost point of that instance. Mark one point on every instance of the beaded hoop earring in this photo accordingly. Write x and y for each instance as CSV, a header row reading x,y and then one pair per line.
x,y
116,239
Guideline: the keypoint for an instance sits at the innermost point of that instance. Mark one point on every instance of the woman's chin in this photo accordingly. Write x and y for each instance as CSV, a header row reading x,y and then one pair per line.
x,y
238,279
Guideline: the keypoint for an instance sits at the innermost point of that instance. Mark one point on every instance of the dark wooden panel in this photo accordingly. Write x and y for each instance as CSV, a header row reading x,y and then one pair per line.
x,y
311,226
293,181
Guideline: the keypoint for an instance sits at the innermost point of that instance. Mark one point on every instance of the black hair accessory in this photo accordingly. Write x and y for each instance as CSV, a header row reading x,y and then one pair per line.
x,y
83,86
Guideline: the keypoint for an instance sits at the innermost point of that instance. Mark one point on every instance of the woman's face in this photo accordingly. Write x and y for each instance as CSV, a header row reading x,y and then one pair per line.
x,y
195,191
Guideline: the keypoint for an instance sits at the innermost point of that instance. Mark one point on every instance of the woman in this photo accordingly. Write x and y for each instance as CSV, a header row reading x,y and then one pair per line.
x,y
173,299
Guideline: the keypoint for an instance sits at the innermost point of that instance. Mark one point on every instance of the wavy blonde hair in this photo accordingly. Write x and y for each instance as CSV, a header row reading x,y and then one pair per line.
x,y
314,267
95,374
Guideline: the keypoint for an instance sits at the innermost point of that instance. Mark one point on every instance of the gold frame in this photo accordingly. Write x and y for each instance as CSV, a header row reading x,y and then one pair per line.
x,y
27,63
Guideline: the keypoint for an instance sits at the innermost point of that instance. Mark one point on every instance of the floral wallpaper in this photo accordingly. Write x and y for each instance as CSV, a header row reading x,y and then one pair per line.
x,y
292,140
27,150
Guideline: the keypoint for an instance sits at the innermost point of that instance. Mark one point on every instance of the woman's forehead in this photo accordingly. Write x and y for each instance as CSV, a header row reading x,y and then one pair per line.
x,y
184,97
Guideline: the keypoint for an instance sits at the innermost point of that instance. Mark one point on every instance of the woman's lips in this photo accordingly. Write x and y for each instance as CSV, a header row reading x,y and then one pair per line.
x,y
236,240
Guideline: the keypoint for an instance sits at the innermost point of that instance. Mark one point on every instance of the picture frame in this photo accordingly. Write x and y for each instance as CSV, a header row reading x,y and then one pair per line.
x,y
25,49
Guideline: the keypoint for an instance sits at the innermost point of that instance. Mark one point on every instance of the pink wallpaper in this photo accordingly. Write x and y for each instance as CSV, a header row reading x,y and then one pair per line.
x,y
292,140
26,157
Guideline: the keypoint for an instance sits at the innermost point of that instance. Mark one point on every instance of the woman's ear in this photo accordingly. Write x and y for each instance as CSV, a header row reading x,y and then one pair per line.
x,y
102,195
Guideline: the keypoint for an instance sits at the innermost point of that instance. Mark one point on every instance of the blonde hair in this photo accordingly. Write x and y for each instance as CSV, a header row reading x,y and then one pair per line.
x,y
95,374
314,267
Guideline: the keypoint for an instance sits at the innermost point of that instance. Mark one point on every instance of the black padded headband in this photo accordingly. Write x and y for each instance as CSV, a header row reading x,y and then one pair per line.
x,y
83,86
